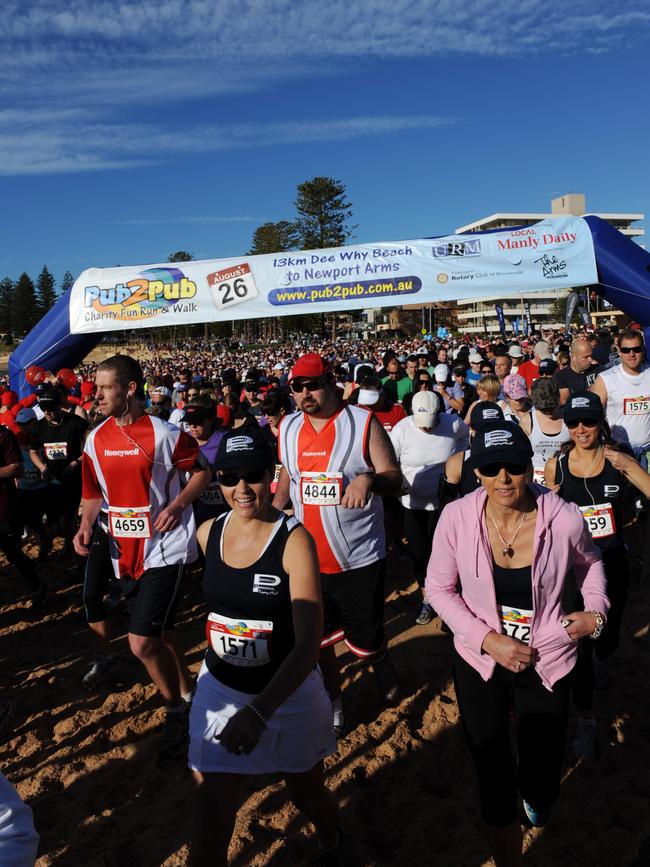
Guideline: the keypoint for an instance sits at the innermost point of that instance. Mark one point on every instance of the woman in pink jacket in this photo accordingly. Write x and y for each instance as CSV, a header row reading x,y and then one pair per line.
x,y
499,561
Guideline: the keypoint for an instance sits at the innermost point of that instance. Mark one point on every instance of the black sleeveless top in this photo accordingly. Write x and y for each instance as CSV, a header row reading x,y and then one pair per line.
x,y
513,587
608,489
250,626
469,481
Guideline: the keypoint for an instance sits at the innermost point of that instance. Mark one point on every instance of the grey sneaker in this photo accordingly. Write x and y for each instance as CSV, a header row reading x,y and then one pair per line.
x,y
98,670
426,615
175,734
584,740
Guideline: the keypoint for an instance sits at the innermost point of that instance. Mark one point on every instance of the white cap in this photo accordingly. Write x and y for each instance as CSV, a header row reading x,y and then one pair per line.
x,y
515,351
161,389
441,372
542,349
476,358
422,350
425,408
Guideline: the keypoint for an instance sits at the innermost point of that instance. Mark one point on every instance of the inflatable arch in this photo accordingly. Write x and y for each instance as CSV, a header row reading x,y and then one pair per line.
x,y
622,269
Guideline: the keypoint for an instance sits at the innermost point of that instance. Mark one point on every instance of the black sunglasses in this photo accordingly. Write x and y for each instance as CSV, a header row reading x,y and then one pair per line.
x,y
251,477
494,469
585,422
309,384
627,349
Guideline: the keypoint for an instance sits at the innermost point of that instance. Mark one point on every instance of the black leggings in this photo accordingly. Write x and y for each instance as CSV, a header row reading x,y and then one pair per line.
x,y
540,727
419,527
615,561
10,544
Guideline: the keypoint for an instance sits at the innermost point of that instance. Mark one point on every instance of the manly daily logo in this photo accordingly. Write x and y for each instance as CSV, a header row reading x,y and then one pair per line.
x,y
457,248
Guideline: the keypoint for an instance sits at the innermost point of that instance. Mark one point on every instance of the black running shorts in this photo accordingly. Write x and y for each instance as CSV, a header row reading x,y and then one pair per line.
x,y
353,608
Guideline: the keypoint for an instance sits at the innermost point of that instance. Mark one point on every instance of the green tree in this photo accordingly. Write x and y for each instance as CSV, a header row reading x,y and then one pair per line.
x,y
67,282
46,291
7,295
323,214
180,256
26,313
274,238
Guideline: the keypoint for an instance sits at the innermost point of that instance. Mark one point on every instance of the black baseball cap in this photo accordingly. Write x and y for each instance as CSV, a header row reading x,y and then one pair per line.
x,y
584,404
244,448
485,412
500,441
198,414
547,366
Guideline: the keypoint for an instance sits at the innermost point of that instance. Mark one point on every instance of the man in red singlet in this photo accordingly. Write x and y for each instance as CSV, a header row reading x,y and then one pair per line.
x,y
137,509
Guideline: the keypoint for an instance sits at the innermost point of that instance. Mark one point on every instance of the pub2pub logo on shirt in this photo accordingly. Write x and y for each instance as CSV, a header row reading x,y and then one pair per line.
x,y
265,584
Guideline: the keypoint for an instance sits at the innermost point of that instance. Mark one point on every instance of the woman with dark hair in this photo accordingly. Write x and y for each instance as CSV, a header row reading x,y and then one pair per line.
x,y
544,425
422,381
604,483
260,705
496,576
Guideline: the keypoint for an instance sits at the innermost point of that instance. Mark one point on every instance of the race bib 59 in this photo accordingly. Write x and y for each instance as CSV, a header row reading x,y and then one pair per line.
x,y
599,519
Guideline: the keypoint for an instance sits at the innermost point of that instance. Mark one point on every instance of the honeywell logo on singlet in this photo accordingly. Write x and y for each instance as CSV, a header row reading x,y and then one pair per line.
x,y
314,454
120,453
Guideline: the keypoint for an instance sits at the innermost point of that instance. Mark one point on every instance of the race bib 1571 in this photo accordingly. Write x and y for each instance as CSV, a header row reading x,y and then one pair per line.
x,y
239,642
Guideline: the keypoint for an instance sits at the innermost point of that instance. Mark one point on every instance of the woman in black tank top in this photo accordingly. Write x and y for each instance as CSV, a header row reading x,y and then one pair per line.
x,y
603,483
260,704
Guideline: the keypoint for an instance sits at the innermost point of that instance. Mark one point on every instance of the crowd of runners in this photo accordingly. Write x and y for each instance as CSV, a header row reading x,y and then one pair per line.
x,y
507,473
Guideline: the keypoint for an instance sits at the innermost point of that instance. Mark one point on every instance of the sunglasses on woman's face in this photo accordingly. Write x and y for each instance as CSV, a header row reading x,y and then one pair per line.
x,y
494,469
585,422
231,480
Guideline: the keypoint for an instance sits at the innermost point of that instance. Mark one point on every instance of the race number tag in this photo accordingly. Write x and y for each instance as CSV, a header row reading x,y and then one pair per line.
x,y
276,478
516,622
56,451
232,286
212,495
600,520
130,522
636,406
321,489
538,476
239,642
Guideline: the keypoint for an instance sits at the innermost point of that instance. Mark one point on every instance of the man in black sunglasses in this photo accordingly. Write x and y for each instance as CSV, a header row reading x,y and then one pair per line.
x,y
624,391
336,459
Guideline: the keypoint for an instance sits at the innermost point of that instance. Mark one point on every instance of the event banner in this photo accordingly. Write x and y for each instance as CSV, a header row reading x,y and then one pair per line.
x,y
555,252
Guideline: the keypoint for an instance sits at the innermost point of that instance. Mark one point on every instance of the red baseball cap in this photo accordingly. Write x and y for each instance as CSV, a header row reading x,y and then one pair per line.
x,y
309,365
87,388
224,413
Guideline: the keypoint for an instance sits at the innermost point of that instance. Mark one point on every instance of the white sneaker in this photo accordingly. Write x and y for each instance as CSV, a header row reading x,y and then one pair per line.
x,y
584,740
98,670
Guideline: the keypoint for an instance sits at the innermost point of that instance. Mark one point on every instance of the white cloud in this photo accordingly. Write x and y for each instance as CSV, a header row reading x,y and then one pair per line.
x,y
24,149
73,76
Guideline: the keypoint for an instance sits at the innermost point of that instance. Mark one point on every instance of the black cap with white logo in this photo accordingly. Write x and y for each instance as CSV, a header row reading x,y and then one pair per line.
x,y
584,404
500,441
485,412
244,449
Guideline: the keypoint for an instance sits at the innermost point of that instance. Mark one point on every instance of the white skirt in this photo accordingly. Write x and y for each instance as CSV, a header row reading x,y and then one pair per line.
x,y
299,734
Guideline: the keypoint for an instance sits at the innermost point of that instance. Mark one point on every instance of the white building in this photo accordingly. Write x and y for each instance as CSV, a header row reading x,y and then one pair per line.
x,y
476,315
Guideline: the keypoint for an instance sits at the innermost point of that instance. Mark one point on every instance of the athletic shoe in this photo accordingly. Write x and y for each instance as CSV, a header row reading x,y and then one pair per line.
x,y
426,614
387,677
584,740
98,670
537,818
175,734
334,858
338,718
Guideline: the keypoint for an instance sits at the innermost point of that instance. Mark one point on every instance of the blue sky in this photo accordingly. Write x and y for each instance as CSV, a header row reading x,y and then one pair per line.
x,y
130,130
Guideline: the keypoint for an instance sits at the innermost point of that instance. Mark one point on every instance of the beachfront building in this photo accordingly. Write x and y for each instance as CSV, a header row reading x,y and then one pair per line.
x,y
478,315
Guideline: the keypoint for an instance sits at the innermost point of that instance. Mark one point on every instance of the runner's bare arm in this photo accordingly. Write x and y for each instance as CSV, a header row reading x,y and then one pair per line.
x,y
631,469
300,561
564,395
12,471
169,518
281,496
526,423
454,468
89,511
386,479
203,534
37,460
549,475
599,388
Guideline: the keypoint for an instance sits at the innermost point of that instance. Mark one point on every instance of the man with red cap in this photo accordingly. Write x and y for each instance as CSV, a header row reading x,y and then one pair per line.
x,y
337,461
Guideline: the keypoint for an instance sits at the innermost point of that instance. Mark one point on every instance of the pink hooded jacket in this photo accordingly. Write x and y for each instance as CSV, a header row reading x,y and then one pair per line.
x,y
461,553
